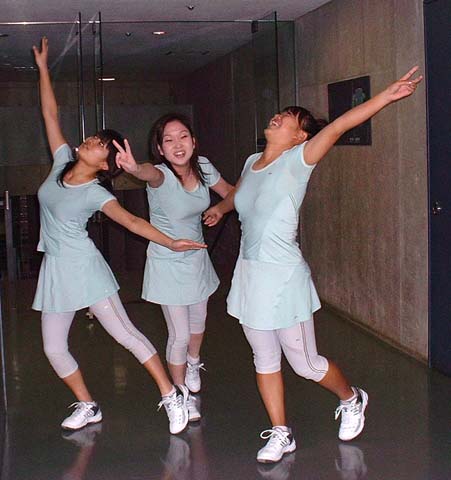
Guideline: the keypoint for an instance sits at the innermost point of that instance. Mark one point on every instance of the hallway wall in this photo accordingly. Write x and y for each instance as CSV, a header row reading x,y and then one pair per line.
x,y
365,216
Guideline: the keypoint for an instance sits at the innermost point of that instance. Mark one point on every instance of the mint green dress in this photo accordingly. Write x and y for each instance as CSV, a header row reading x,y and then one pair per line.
x,y
272,286
73,273
179,278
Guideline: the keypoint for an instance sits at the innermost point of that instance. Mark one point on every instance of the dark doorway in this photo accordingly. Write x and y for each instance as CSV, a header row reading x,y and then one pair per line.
x,y
438,69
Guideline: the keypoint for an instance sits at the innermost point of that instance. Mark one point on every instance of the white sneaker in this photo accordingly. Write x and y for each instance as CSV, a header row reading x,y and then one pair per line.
x,y
193,408
352,415
176,409
279,442
192,376
84,413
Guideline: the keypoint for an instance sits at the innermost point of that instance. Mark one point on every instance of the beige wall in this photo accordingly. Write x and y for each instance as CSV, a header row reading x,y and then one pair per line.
x,y
365,216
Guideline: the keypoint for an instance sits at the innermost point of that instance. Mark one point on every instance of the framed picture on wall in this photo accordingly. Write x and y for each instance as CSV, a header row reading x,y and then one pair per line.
x,y
342,97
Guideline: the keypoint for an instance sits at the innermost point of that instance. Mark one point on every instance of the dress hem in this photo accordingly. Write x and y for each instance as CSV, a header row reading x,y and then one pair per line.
x,y
158,302
39,309
242,322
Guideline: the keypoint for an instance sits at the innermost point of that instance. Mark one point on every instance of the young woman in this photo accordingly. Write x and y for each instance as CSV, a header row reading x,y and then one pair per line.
x,y
272,292
178,192
74,274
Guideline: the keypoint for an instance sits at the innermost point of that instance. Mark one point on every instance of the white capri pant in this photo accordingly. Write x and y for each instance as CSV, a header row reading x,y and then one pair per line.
x,y
298,345
182,322
114,319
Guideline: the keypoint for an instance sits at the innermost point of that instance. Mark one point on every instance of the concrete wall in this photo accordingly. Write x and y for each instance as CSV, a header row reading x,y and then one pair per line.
x,y
365,216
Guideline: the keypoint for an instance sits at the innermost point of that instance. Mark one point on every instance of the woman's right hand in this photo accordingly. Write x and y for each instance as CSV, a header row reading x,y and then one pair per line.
x,y
41,56
212,216
182,245
125,158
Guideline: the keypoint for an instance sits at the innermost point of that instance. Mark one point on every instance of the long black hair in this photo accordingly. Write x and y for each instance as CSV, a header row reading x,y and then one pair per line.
x,y
105,177
306,120
156,140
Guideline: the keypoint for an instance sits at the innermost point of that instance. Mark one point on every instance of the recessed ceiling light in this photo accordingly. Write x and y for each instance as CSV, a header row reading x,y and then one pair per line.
x,y
107,79
159,32
190,7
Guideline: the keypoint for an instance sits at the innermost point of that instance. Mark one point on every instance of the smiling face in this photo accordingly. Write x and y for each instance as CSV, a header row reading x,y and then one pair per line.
x,y
177,144
284,128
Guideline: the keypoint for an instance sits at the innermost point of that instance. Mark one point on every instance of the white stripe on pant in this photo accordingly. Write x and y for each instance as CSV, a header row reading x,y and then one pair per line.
x,y
182,321
111,315
298,344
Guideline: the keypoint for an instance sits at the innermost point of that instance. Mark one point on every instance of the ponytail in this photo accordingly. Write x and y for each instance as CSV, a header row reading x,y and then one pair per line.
x,y
307,122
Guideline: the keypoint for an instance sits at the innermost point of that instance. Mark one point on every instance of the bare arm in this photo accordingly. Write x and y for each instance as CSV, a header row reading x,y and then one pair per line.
x,y
134,224
323,141
49,106
222,188
143,171
213,215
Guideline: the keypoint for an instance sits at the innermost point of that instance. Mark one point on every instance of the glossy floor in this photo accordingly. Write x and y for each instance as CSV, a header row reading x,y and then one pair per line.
x,y
407,434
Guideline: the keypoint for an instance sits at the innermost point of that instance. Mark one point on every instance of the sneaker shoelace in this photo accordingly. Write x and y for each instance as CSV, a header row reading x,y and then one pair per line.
x,y
82,408
352,408
193,368
172,404
276,438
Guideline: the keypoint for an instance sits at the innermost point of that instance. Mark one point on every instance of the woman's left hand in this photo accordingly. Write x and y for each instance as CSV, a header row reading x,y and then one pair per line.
x,y
182,245
404,87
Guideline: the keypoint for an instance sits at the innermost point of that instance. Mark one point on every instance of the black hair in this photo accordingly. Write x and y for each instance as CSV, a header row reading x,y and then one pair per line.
x,y
156,140
105,177
307,122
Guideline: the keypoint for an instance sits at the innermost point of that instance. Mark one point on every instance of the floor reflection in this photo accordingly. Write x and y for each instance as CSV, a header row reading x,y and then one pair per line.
x,y
350,462
84,440
407,434
186,458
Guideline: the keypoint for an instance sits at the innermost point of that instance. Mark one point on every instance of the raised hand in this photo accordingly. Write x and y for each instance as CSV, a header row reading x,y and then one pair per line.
x,y
212,216
182,245
404,87
41,55
125,158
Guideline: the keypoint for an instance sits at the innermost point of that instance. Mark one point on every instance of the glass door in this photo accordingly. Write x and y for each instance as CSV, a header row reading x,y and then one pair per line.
x,y
25,161
222,74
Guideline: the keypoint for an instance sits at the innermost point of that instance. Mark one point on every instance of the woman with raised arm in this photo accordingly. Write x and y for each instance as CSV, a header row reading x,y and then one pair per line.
x,y
178,192
73,273
272,292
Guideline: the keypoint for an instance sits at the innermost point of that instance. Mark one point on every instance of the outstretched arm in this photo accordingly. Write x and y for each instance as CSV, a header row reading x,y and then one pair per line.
x,y
323,141
49,106
134,224
213,215
143,171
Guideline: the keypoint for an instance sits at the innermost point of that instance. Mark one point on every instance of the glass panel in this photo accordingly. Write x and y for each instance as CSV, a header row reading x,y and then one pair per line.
x,y
188,69
98,78
24,154
266,74
224,75
286,63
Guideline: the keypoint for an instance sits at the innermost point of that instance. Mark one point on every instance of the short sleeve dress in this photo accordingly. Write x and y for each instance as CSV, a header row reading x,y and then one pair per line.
x,y
272,286
179,278
73,272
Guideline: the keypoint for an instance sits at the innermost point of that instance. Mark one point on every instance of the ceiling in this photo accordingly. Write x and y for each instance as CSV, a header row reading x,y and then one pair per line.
x,y
197,32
